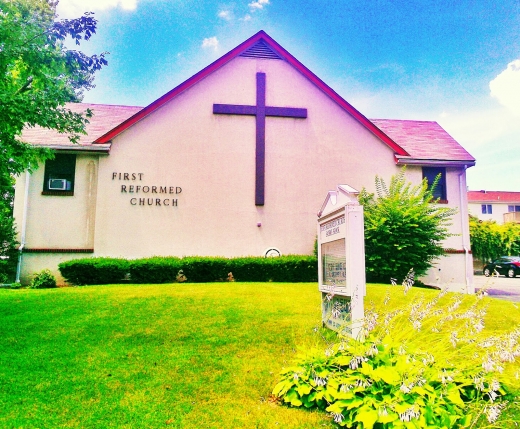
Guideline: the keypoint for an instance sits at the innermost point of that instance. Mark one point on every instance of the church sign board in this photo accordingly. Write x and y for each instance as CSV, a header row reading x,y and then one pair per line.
x,y
341,261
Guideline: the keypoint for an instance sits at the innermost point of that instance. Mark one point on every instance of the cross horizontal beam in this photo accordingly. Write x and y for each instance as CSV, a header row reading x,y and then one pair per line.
x,y
260,111
239,109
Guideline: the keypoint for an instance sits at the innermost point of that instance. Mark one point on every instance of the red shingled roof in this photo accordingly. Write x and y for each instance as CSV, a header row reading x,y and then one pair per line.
x,y
424,141
493,197
105,117
413,142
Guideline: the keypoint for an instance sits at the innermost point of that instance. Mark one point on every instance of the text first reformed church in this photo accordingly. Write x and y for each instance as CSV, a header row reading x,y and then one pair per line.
x,y
234,161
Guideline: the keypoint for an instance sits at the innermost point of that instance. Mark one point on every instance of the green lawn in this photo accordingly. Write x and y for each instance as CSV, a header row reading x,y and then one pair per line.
x,y
154,356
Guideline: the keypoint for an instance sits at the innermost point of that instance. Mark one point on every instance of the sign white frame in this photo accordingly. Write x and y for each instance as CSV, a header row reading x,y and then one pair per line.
x,y
341,218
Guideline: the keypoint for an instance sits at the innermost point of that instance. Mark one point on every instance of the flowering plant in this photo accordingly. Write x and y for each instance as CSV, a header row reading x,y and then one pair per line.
x,y
423,365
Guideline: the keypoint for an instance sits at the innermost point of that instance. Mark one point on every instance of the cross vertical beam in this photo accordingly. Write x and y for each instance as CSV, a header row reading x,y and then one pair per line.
x,y
260,111
260,140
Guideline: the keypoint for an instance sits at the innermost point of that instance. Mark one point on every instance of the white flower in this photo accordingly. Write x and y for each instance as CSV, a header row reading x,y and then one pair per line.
x,y
338,417
354,363
479,383
492,413
371,321
320,381
373,350
336,312
455,305
488,343
453,338
506,356
445,378
495,385
409,414
488,365
478,325
405,389
417,325
387,297
363,383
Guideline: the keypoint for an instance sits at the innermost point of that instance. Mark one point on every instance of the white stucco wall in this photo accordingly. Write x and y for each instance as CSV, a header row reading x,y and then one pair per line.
x,y
212,158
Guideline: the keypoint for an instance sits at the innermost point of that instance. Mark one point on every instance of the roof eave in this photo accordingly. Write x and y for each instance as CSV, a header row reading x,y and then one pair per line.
x,y
287,56
434,162
99,148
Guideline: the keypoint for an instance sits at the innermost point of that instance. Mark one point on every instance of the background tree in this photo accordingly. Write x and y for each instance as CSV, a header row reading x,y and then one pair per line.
x,y
38,76
490,240
403,229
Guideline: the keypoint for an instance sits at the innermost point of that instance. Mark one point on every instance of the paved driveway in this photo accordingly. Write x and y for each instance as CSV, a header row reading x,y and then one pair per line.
x,y
499,287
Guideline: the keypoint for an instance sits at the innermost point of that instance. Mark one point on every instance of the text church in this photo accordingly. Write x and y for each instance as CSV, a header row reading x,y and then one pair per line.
x,y
234,161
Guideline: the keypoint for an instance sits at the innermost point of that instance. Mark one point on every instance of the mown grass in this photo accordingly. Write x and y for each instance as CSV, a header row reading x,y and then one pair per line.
x,y
163,356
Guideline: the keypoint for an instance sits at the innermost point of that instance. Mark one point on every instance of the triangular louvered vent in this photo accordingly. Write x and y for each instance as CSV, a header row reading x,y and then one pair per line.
x,y
261,50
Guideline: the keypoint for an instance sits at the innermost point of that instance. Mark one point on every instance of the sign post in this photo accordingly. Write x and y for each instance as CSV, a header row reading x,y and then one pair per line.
x,y
341,261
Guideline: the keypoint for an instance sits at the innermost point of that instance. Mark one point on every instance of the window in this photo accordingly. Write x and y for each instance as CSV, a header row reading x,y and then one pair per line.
x,y
513,209
487,209
59,174
430,173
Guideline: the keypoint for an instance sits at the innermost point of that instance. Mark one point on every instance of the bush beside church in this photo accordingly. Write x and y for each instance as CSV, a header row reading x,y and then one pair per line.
x,y
90,271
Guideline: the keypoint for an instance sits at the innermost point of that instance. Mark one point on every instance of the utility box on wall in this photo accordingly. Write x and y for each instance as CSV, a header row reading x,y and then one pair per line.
x,y
341,260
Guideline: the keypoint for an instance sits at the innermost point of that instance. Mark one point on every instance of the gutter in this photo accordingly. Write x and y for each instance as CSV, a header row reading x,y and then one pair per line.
x,y
99,148
402,160
465,234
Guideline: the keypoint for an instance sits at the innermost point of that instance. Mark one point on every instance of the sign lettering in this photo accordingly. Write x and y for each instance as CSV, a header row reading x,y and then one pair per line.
x,y
332,227
147,189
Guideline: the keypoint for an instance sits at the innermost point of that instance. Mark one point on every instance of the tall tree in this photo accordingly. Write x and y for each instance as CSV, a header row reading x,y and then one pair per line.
x,y
38,75
404,228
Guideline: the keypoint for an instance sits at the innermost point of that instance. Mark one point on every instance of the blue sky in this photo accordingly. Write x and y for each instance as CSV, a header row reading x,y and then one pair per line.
x,y
454,62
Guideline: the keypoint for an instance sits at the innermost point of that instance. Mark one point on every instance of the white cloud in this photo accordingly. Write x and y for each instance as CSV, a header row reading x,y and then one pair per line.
x,y
225,14
76,8
246,18
210,42
487,130
506,87
258,4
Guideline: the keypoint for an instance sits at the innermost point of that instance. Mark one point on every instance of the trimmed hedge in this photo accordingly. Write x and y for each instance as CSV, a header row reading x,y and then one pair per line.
x,y
94,271
293,268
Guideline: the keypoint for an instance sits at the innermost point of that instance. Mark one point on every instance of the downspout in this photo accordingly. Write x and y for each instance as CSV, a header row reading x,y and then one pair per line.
x,y
24,227
465,237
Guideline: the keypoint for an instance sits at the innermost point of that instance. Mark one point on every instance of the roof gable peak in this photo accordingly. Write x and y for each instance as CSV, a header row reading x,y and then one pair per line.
x,y
260,44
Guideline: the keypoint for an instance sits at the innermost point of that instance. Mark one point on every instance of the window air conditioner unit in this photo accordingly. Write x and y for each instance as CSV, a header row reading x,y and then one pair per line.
x,y
59,185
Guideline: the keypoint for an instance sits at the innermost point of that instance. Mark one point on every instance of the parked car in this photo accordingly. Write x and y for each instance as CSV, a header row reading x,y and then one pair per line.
x,y
508,266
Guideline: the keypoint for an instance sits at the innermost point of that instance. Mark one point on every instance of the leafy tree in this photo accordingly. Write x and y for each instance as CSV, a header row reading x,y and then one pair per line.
x,y
38,75
404,228
490,240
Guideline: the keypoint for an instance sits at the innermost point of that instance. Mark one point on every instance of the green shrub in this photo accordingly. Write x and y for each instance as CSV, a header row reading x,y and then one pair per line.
x,y
92,271
403,229
424,364
154,270
42,280
194,269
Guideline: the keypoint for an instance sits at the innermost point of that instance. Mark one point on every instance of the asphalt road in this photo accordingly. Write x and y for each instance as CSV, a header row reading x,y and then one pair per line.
x,y
499,287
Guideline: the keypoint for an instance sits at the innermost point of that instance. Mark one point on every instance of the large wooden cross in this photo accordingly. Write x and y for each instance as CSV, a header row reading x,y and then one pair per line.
x,y
260,111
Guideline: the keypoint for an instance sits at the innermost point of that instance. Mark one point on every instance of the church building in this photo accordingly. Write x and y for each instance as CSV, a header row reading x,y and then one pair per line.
x,y
235,161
